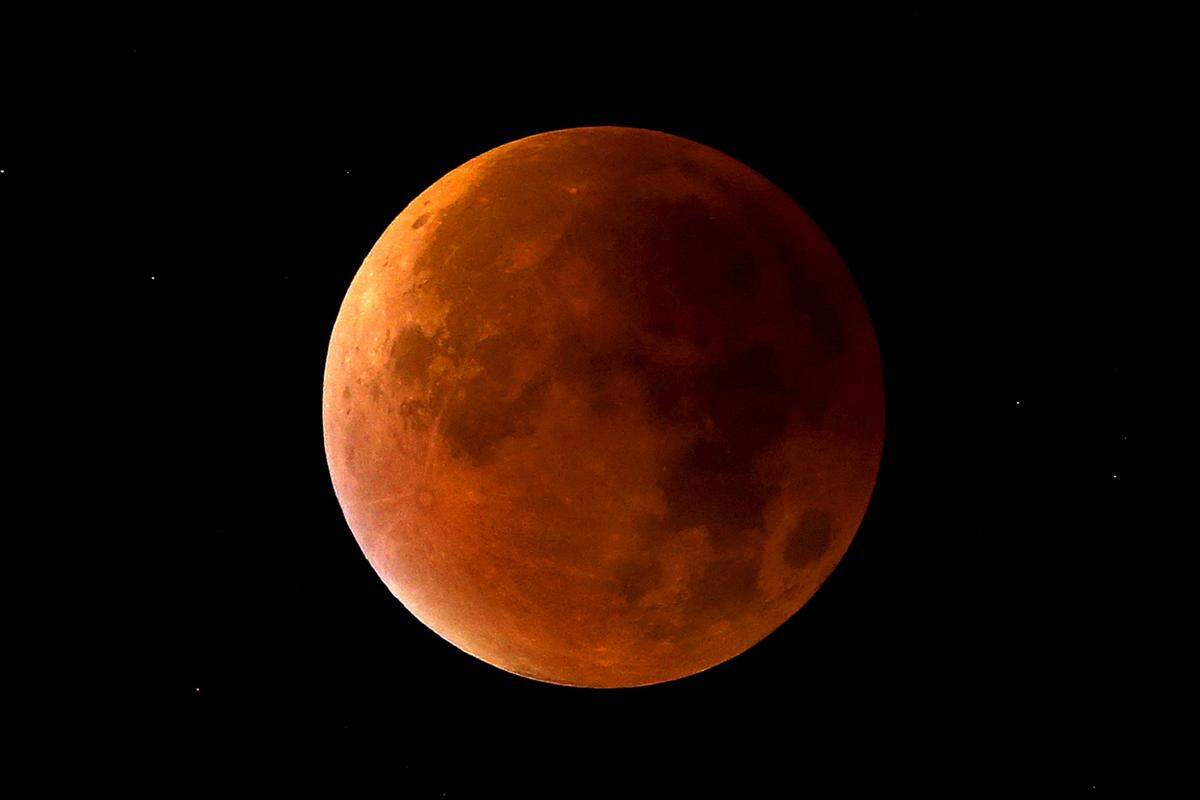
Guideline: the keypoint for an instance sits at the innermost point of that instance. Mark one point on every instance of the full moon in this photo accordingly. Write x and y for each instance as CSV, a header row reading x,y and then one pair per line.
x,y
603,407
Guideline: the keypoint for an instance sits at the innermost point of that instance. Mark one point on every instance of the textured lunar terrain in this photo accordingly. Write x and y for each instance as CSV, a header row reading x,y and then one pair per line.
x,y
603,407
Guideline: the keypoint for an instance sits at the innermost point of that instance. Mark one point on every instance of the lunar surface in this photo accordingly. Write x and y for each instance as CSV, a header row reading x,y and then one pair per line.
x,y
603,407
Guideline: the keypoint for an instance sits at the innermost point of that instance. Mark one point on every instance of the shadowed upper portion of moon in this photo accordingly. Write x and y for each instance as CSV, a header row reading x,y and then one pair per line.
x,y
603,407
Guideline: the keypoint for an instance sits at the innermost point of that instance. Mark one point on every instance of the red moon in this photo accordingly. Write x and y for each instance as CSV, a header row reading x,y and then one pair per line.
x,y
603,407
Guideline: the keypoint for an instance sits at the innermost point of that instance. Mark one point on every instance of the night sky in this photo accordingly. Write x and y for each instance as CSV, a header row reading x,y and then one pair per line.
x,y
233,191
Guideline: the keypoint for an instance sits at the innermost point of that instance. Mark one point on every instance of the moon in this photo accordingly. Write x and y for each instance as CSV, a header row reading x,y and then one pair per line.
x,y
603,407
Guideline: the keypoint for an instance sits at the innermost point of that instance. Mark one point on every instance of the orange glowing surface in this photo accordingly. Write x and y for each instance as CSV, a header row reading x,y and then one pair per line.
x,y
603,407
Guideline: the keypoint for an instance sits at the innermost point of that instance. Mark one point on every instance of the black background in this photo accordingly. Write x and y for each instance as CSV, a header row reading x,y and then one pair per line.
x,y
233,186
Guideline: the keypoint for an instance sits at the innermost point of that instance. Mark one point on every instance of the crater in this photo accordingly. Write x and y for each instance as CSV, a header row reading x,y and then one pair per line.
x,y
479,419
811,300
635,579
735,411
727,585
809,540
412,353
